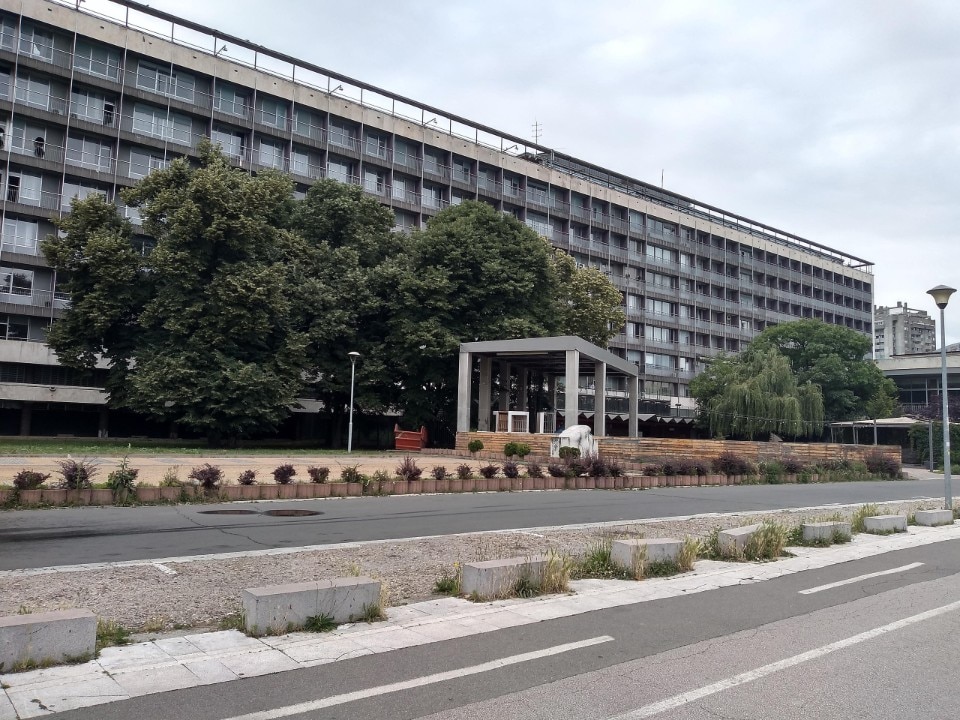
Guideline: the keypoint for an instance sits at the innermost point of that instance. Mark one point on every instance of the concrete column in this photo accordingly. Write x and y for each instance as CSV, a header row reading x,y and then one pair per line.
x,y
483,398
552,395
504,386
633,385
523,381
103,427
571,406
26,416
599,398
464,383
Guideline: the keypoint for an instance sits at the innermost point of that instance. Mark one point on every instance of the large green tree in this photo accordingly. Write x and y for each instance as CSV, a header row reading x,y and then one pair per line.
x,y
757,394
202,330
835,358
587,303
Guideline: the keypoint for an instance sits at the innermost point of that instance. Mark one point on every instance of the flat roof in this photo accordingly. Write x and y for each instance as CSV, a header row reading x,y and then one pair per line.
x,y
549,353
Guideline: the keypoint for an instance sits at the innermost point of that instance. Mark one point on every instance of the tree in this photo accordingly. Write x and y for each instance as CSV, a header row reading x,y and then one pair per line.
x,y
833,357
757,394
588,305
201,331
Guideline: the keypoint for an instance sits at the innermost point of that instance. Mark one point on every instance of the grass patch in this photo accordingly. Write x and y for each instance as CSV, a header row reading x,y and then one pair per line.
x,y
371,613
234,621
596,562
862,513
319,623
110,634
449,583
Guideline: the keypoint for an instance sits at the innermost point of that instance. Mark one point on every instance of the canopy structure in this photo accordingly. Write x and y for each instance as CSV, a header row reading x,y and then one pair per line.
x,y
565,356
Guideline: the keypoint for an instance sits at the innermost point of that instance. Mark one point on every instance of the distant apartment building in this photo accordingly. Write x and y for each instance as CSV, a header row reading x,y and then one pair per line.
x,y
902,330
91,103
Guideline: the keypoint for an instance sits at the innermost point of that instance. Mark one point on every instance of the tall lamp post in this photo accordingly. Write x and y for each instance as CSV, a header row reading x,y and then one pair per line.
x,y
353,373
941,296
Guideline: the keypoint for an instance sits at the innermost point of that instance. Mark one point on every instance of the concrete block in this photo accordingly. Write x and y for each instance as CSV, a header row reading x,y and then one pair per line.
x,y
275,608
824,530
934,517
885,523
49,637
626,553
734,540
496,578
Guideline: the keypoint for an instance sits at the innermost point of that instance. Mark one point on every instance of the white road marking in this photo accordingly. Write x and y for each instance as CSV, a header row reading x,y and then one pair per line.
x,y
313,705
164,569
682,699
858,578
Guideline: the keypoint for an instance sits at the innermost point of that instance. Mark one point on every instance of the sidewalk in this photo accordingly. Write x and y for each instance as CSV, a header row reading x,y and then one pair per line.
x,y
173,663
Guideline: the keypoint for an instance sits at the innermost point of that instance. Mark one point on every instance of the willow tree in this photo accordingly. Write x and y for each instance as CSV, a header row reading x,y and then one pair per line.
x,y
750,396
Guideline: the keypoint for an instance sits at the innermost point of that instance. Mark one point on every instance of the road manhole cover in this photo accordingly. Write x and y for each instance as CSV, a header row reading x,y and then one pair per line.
x,y
291,513
229,512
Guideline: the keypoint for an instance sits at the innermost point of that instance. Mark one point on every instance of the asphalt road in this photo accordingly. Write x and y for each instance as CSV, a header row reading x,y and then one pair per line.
x,y
876,648
69,536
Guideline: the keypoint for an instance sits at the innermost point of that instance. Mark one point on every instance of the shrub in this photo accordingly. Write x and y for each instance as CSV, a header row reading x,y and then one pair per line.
x,y
883,465
284,474
511,469
449,583
77,474
534,470
793,466
318,474
123,479
520,450
408,470
614,468
577,467
728,463
557,470
464,472
439,472
248,477
596,562
489,471
351,473
171,478
864,511
29,479
475,446
767,542
379,476
208,476
569,453
596,467
510,449
772,471
654,468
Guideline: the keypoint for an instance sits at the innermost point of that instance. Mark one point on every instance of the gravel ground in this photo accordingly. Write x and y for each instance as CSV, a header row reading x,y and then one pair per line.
x,y
203,592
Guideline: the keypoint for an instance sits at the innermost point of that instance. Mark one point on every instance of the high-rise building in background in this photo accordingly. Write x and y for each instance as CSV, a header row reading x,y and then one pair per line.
x,y
902,330
91,104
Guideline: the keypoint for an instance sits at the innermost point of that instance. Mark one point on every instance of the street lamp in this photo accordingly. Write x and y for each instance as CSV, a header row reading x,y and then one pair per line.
x,y
353,373
941,296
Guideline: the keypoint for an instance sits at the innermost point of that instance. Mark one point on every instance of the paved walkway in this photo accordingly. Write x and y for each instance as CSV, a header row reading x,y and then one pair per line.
x,y
174,663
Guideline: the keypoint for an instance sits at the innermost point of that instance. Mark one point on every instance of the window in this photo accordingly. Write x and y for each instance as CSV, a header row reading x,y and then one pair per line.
x,y
35,42
661,280
31,91
8,31
661,254
24,188
432,196
343,135
273,112
308,124
87,152
633,301
92,107
634,330
403,153
303,163
660,334
337,170
16,282
157,122
658,360
230,100
231,142
376,146
20,235
374,181
76,190
142,163
165,81
13,328
97,60
270,155
659,307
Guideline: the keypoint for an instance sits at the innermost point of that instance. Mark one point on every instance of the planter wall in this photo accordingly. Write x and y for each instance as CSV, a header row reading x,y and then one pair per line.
x,y
146,493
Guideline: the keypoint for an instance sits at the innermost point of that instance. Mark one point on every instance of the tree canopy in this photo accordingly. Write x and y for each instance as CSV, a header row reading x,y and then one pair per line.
x,y
249,297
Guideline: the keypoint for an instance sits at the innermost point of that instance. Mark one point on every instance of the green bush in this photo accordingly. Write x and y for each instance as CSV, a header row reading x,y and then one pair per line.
x,y
475,446
76,474
569,453
489,471
209,476
464,472
318,474
29,479
728,463
283,474
123,480
248,477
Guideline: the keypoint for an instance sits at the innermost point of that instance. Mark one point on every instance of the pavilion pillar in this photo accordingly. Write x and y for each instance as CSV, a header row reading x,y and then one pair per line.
x,y
464,382
523,381
571,393
599,398
483,397
633,384
504,386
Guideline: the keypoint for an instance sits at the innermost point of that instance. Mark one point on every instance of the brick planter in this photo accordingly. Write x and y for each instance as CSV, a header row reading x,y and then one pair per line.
x,y
442,486
468,485
269,491
148,494
286,492
170,494
30,497
401,487
428,485
232,492
250,492
414,486
354,489
79,497
101,496
305,490
455,485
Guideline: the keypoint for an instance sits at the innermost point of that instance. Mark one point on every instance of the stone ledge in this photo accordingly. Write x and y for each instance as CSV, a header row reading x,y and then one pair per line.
x,y
496,578
277,608
885,523
47,638
627,553
734,541
932,518
824,530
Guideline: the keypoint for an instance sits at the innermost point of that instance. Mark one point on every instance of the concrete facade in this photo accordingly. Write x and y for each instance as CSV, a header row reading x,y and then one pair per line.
x,y
902,330
91,103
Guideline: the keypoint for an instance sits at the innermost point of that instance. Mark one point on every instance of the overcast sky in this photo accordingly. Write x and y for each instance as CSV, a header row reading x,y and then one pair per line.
x,y
836,121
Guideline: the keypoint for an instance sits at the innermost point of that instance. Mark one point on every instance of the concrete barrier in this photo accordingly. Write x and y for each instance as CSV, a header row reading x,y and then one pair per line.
x,y
627,553
496,578
279,608
882,524
932,518
812,532
47,638
734,541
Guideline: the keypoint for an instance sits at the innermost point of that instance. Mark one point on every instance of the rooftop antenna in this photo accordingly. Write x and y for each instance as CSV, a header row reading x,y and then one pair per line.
x,y
537,131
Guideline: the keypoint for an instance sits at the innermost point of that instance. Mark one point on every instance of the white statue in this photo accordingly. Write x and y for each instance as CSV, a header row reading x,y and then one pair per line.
x,y
578,436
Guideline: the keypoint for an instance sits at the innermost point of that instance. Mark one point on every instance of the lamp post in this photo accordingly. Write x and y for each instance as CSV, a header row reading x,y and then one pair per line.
x,y
941,296
353,373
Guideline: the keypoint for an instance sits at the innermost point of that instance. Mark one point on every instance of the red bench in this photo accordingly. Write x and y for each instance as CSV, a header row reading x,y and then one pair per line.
x,y
410,440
